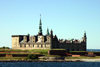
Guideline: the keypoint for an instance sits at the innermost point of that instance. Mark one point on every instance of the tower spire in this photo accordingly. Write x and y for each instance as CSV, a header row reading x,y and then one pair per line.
x,y
40,27
48,32
40,20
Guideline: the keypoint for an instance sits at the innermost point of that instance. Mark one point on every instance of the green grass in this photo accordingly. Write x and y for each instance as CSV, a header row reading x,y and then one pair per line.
x,y
33,51
13,58
38,50
19,53
41,51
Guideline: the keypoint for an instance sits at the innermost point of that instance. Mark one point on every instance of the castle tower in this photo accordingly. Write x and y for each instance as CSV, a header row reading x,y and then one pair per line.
x,y
40,27
40,35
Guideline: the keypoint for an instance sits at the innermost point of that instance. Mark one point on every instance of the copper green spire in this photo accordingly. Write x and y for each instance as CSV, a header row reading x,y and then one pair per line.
x,y
40,27
48,32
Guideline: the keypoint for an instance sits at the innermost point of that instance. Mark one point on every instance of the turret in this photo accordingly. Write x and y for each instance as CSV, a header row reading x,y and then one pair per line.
x,y
51,32
56,37
85,37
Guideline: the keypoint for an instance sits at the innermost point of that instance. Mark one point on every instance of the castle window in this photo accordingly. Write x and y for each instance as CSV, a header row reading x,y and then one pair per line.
x,y
33,45
20,45
68,50
45,45
77,49
37,45
29,45
72,49
24,45
41,45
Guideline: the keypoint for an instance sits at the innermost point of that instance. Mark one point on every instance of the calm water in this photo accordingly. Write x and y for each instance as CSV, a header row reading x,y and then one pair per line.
x,y
49,64
95,50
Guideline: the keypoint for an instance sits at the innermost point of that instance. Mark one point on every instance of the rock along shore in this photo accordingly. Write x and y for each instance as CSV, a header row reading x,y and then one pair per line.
x,y
66,60
83,60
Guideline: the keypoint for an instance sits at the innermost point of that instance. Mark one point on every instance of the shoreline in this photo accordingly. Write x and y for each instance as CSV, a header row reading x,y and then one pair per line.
x,y
83,60
66,60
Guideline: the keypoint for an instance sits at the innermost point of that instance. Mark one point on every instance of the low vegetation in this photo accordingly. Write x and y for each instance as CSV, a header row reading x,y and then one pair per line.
x,y
41,51
4,47
32,56
13,58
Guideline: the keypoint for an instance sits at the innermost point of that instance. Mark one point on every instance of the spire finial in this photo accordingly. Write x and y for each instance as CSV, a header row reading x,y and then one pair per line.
x,y
84,31
40,15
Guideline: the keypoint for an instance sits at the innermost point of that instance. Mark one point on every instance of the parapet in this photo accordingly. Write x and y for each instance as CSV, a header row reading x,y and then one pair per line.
x,y
18,35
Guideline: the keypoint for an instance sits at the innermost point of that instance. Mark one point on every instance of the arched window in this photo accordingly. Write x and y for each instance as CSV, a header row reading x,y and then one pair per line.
x,y
24,45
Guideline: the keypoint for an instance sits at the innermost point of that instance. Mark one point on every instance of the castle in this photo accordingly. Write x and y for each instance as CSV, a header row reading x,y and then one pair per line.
x,y
48,41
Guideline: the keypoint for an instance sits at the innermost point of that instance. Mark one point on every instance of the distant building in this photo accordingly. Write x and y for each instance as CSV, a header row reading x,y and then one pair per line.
x,y
48,41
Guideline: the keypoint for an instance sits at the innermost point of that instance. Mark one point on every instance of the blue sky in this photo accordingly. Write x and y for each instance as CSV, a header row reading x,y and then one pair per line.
x,y
68,19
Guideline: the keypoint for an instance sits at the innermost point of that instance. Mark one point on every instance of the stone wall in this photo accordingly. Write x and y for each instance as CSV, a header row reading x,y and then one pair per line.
x,y
73,46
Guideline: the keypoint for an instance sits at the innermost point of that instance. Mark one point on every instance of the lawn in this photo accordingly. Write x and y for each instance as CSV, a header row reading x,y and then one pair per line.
x,y
33,51
13,58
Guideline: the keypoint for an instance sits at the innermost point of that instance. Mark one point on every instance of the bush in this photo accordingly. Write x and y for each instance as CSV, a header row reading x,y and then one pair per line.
x,y
32,56
4,47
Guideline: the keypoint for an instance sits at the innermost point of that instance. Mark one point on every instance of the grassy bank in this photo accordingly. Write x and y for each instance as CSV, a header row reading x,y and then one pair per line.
x,y
12,51
13,58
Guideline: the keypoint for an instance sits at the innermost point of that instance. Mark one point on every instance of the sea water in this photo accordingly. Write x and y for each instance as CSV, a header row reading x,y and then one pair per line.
x,y
49,64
